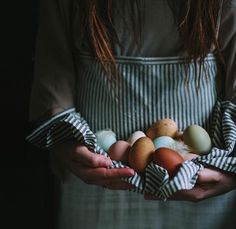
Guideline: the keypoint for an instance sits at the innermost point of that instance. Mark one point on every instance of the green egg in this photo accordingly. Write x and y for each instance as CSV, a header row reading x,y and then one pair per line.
x,y
197,139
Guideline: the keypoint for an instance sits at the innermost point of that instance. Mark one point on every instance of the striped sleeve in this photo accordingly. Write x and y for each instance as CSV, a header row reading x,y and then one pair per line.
x,y
61,127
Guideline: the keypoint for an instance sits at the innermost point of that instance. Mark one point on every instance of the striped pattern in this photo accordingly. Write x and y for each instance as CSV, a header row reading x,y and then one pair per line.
x,y
64,126
147,90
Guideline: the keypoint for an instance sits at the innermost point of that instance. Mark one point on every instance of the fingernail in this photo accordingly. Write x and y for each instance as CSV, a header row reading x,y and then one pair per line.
x,y
108,161
131,172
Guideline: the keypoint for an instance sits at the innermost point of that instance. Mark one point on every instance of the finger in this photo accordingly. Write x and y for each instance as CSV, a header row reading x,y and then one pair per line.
x,y
92,174
208,176
194,195
190,156
83,155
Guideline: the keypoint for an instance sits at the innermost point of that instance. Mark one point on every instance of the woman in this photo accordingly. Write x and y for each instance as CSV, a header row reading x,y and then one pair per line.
x,y
123,65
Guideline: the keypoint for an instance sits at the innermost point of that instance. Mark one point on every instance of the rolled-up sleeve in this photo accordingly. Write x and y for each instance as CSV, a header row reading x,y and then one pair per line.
x,y
53,90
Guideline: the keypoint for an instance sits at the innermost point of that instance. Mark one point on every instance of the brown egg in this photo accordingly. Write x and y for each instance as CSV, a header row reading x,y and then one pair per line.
x,y
141,153
119,151
168,159
163,127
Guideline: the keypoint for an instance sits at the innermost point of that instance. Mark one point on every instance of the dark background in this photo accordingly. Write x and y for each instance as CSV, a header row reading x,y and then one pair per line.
x,y
26,184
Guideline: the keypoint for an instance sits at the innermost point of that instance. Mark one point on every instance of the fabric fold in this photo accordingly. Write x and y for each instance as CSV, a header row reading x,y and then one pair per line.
x,y
66,125
155,180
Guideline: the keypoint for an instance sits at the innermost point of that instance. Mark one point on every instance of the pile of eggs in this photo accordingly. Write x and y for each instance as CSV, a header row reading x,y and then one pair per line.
x,y
162,144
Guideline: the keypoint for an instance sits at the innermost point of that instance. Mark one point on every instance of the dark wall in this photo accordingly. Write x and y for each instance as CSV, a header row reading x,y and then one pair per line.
x,y
26,182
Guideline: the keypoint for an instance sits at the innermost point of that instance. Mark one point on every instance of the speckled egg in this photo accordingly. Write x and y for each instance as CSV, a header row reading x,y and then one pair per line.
x,y
163,127
197,139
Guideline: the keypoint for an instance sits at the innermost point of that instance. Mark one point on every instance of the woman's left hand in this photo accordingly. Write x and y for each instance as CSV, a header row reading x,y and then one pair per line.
x,y
211,182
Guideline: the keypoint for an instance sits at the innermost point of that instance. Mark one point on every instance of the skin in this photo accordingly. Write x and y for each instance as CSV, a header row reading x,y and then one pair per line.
x,y
211,182
90,167
93,169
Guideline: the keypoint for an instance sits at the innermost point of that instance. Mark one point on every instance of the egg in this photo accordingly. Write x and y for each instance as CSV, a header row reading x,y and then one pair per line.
x,y
197,139
168,159
163,127
164,141
135,136
118,151
105,138
141,153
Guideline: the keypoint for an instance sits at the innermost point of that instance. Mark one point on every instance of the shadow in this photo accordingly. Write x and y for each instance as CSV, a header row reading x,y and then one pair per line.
x,y
26,182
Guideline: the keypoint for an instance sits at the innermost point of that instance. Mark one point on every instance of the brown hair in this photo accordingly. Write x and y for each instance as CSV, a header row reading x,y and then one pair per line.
x,y
197,21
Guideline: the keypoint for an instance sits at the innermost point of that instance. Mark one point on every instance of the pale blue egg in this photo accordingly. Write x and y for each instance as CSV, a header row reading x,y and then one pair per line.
x,y
105,138
164,141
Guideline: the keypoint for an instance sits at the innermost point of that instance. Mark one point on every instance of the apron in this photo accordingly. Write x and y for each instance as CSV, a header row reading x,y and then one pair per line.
x,y
146,90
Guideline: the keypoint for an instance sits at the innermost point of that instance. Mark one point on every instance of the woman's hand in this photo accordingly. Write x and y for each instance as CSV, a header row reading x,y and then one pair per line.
x,y
211,182
90,167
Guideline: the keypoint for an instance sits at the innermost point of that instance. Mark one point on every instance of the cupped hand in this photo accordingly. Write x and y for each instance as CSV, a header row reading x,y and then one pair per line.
x,y
211,182
90,167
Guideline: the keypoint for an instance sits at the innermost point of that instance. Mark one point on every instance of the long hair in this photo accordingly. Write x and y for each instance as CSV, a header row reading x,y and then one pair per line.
x,y
196,19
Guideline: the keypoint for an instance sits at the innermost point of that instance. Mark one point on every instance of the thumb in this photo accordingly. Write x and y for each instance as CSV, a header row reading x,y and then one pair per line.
x,y
208,175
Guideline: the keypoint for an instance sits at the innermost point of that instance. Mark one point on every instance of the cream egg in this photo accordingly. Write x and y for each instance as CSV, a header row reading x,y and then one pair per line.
x,y
135,136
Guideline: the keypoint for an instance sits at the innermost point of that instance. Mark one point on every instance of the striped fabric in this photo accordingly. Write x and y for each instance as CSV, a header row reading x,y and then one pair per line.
x,y
61,127
149,89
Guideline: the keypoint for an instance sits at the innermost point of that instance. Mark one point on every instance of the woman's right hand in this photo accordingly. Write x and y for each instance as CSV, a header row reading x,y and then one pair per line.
x,y
90,167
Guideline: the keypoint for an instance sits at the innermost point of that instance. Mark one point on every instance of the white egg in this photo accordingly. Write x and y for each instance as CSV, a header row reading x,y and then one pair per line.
x,y
135,136
105,138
